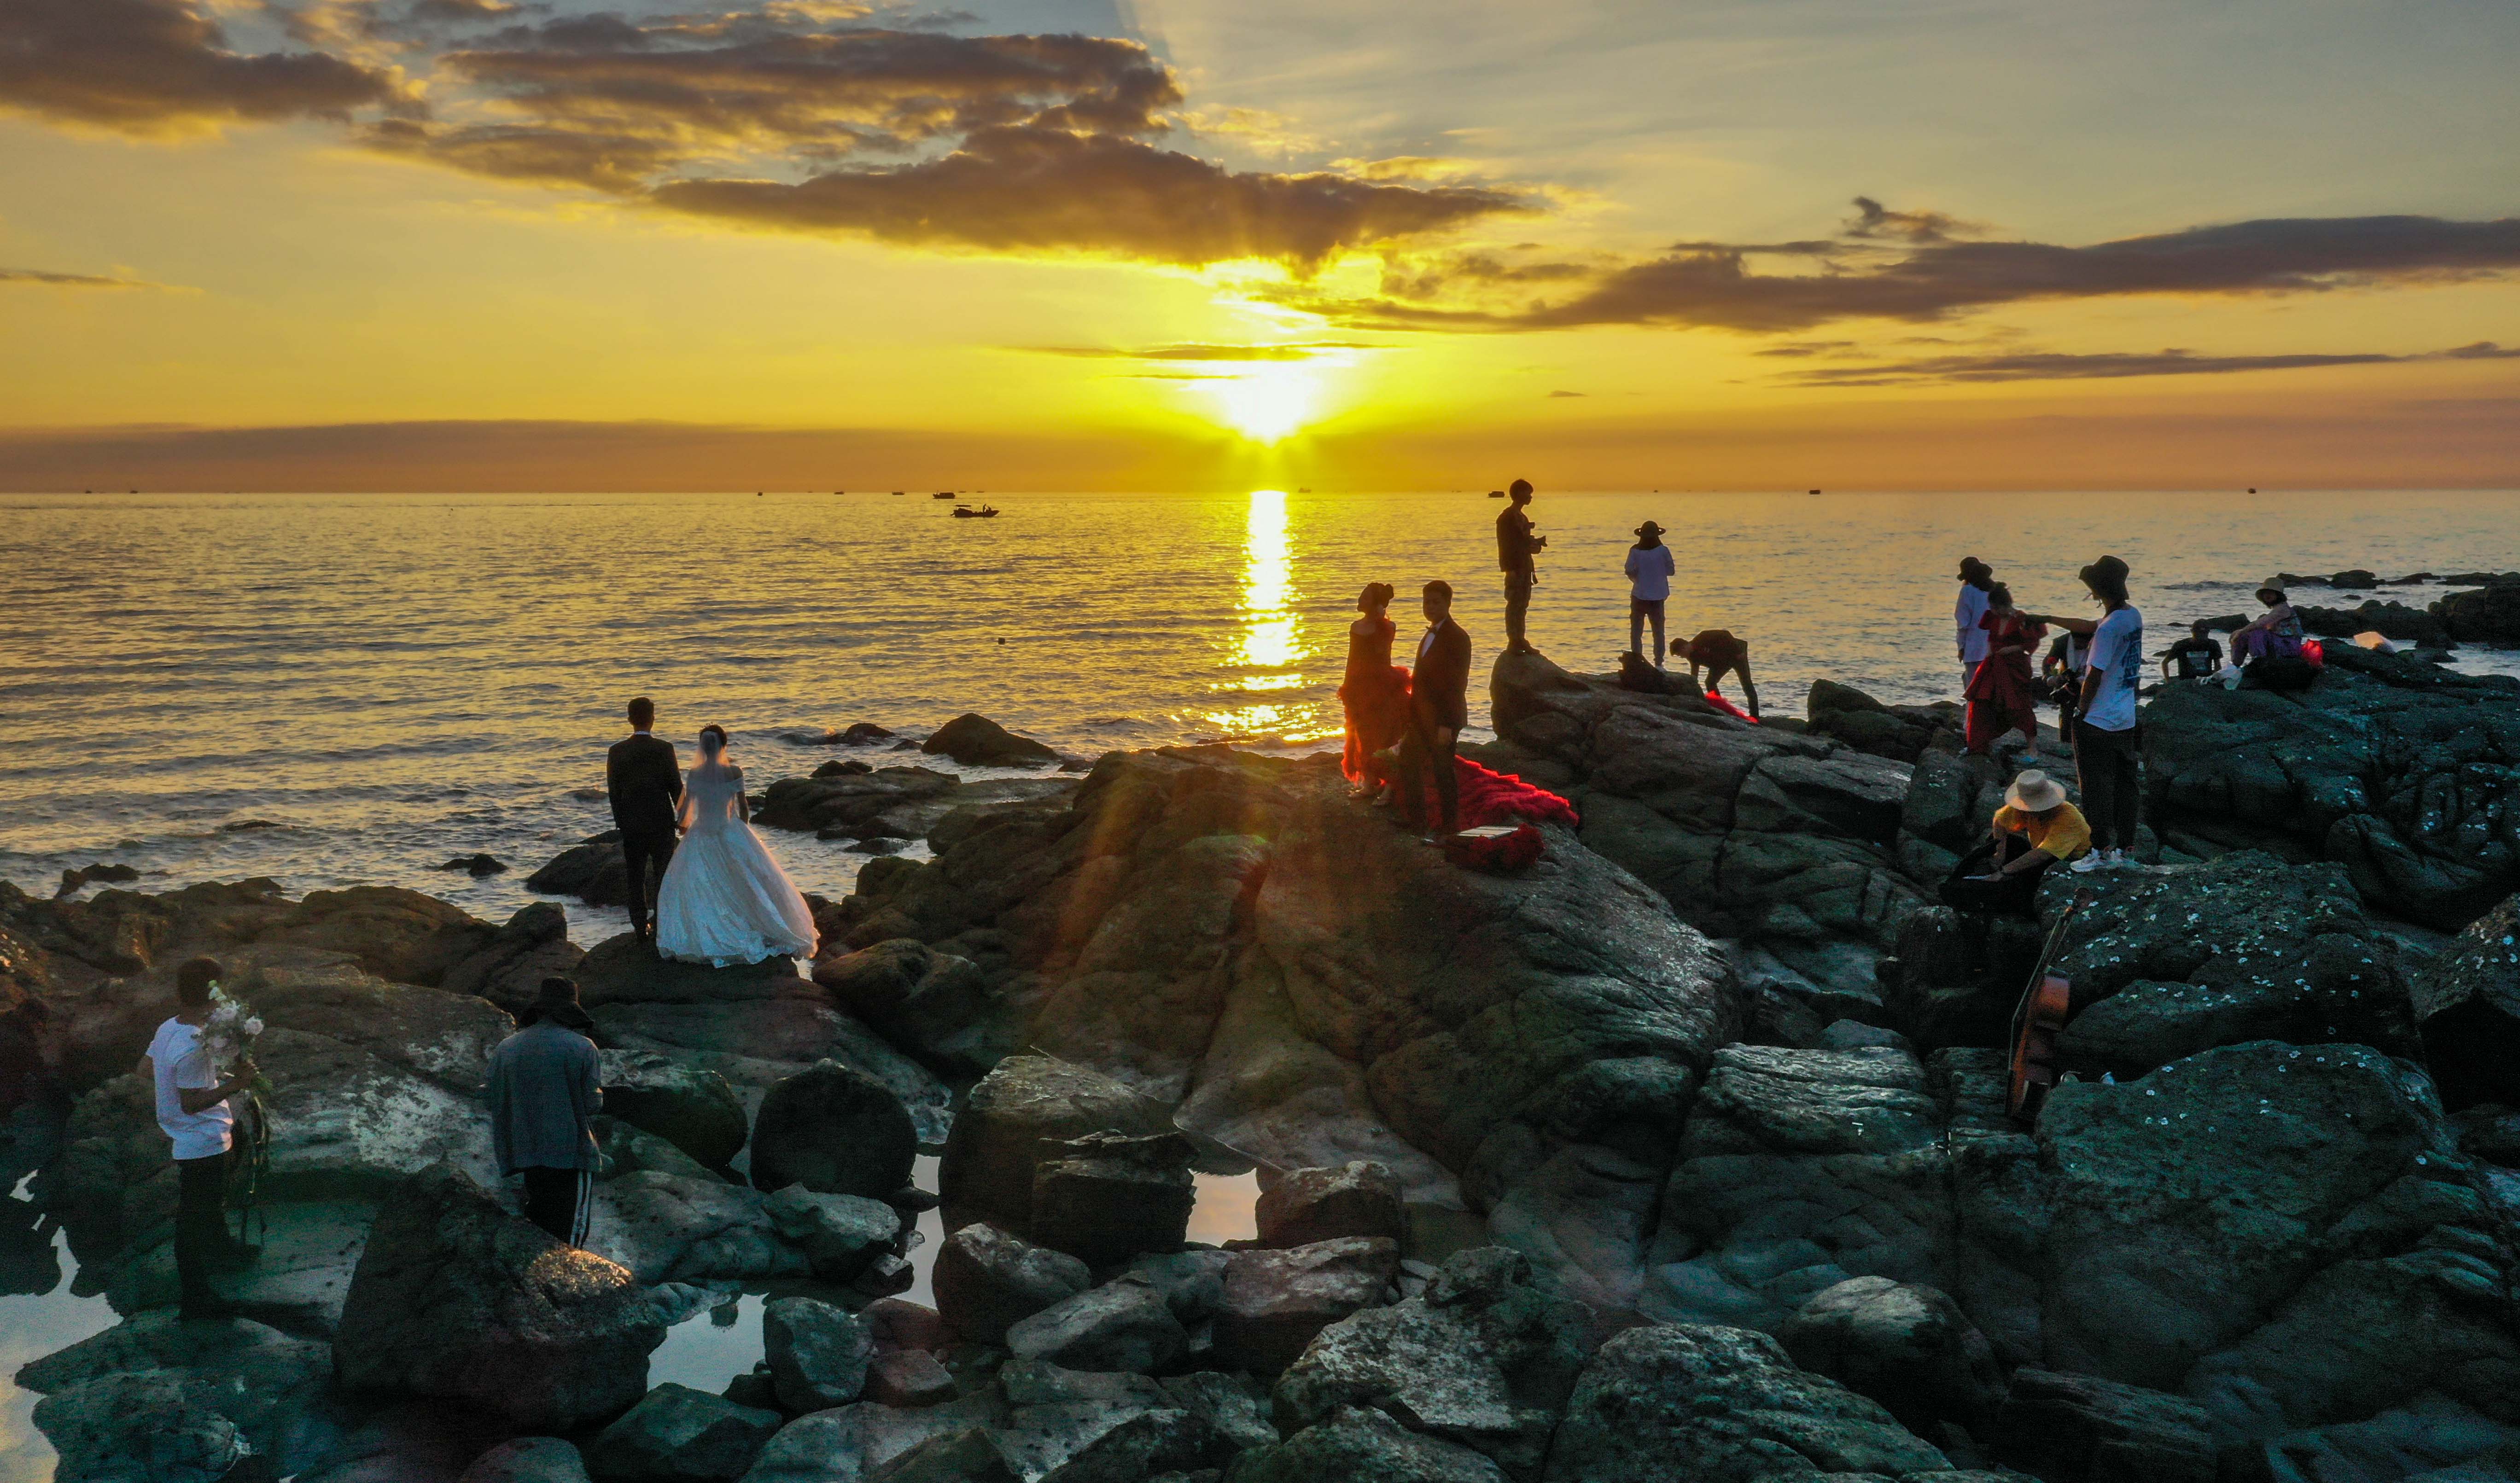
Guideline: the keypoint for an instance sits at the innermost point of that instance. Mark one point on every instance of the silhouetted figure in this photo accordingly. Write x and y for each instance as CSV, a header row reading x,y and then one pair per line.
x,y
1975,578
1516,545
1375,694
544,1089
1651,569
1439,707
2108,743
192,1112
644,783
1715,653
2194,658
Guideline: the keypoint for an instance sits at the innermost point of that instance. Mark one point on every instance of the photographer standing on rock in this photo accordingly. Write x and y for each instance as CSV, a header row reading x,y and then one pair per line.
x,y
544,1089
192,1112
1515,546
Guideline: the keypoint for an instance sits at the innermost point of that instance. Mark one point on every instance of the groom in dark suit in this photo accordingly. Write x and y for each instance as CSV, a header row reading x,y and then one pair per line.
x,y
646,786
1439,707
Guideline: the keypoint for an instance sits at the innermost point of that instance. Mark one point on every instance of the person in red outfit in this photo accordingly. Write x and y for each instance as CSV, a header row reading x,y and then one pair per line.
x,y
2002,695
1375,694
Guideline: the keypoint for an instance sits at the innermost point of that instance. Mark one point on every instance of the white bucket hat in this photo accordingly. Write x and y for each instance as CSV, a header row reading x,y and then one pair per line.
x,y
2034,793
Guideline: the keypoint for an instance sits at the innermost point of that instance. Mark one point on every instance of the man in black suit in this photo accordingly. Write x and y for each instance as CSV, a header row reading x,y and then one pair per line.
x,y
646,786
1439,706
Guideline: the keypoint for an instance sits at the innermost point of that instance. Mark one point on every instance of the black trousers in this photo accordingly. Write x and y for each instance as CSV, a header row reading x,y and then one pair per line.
x,y
558,1201
2106,764
201,1224
1517,603
1419,752
641,853
2014,895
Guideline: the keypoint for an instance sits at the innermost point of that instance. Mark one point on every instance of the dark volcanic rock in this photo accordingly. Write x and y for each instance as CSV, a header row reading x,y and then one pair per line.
x,y
833,1128
475,866
919,996
1367,1446
1720,1405
676,1435
155,1398
72,880
1123,1324
976,740
1905,1345
818,1353
988,1279
1111,1195
1899,733
2488,616
1274,1301
528,1460
509,970
849,799
685,1105
1021,1116
2400,771
2098,1431
2468,1001
454,1297
592,870
2394,620
1359,1197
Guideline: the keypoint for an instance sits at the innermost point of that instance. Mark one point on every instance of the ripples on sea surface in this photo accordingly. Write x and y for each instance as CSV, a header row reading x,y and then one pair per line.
x,y
332,689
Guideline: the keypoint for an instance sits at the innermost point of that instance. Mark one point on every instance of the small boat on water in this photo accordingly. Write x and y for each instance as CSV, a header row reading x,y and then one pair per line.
x,y
1811,491
1303,489
967,513
942,494
1496,494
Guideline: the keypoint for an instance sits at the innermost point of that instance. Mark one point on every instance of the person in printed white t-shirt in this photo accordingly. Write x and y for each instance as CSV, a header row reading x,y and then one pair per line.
x,y
2107,741
192,1112
1651,569
1976,578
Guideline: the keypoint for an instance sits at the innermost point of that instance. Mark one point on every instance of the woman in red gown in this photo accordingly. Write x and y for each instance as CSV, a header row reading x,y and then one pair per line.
x,y
1375,694
2002,696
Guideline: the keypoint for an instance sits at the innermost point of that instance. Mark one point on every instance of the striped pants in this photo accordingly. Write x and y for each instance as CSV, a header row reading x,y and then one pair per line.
x,y
559,1201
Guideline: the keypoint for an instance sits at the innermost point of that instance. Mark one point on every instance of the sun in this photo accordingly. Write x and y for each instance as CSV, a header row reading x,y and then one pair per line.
x,y
1268,401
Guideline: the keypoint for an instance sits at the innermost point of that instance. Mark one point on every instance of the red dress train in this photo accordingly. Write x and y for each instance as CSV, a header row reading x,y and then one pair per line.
x,y
1376,697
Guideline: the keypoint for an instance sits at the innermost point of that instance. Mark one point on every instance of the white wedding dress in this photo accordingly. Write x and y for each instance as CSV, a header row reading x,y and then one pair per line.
x,y
725,900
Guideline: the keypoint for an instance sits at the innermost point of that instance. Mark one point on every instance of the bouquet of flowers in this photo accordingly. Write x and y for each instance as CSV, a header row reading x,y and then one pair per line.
x,y
231,1032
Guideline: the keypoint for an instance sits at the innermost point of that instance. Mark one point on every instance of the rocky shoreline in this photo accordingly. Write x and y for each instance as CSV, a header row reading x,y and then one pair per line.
x,y
1681,1154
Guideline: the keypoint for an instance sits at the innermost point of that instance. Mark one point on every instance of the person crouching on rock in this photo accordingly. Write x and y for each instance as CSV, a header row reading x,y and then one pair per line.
x,y
2035,829
544,1091
192,1112
1715,653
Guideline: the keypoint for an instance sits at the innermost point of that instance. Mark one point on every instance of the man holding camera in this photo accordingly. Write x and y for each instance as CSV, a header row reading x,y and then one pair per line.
x,y
1515,546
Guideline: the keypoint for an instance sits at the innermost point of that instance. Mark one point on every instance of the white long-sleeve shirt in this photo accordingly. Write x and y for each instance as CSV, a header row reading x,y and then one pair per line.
x,y
1965,616
1650,569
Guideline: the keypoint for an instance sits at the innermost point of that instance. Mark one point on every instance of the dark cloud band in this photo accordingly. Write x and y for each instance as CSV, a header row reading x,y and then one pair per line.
x,y
2109,366
148,67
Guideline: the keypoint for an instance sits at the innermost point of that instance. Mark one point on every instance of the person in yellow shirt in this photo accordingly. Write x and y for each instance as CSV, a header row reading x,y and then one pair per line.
x,y
2035,829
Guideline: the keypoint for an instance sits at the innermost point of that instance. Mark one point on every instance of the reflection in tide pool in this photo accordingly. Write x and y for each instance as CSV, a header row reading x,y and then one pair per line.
x,y
1268,648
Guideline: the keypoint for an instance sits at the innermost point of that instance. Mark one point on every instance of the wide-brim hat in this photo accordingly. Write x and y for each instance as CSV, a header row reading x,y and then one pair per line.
x,y
556,1002
2266,587
2109,568
2034,793
1649,528
1970,564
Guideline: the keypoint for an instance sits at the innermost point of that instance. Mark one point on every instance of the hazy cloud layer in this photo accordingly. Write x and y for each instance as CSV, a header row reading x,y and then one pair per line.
x,y
1035,189
2109,366
154,67
44,278
1195,352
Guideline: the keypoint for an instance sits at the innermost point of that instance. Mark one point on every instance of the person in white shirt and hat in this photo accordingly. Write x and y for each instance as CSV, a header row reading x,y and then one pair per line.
x,y
1651,569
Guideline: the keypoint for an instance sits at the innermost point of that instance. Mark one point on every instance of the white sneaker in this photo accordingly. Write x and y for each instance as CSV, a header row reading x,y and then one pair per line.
x,y
2090,861
2120,860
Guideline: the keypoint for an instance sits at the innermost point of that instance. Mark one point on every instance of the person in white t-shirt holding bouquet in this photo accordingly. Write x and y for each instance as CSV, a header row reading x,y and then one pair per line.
x,y
2107,741
192,1112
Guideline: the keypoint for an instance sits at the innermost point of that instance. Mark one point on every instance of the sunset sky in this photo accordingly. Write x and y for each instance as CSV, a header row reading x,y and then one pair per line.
x,y
1178,244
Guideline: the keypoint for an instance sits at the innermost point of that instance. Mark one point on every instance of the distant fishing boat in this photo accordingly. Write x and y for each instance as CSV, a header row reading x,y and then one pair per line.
x,y
942,494
898,493
1811,491
967,513
1303,489
1496,494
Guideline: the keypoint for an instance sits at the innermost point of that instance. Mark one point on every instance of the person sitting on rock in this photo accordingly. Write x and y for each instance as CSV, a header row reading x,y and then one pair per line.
x,y
2194,658
192,1112
1716,653
2275,633
2035,829
544,1089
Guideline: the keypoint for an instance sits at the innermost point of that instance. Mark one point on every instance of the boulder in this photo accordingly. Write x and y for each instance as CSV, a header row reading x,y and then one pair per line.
x,y
849,799
1720,1405
1899,733
1483,1356
989,1279
818,1353
475,866
509,970
2488,616
676,1435
593,871
689,1106
2392,620
2397,770
756,1044
1123,1324
1274,1301
623,971
976,740
1108,1197
837,1130
155,1398
1368,1447
2467,1003
1192,1281
2091,1430
842,1235
674,1227
528,1460
1020,1116
1359,1197
919,996
851,1442
1904,1345
456,1299
909,1378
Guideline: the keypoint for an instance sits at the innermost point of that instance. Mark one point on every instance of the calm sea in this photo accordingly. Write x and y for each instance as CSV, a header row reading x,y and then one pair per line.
x,y
340,688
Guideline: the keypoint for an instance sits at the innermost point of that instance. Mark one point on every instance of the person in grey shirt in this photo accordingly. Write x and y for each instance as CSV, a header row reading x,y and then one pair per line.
x,y
544,1092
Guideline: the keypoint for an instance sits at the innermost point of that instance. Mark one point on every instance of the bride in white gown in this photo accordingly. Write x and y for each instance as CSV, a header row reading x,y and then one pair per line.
x,y
724,899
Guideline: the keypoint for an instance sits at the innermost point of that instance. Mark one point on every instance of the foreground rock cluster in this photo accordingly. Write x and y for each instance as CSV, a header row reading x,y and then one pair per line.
x,y
1681,1154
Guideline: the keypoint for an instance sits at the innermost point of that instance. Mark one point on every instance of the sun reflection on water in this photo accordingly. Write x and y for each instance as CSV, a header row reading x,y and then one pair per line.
x,y
1269,648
